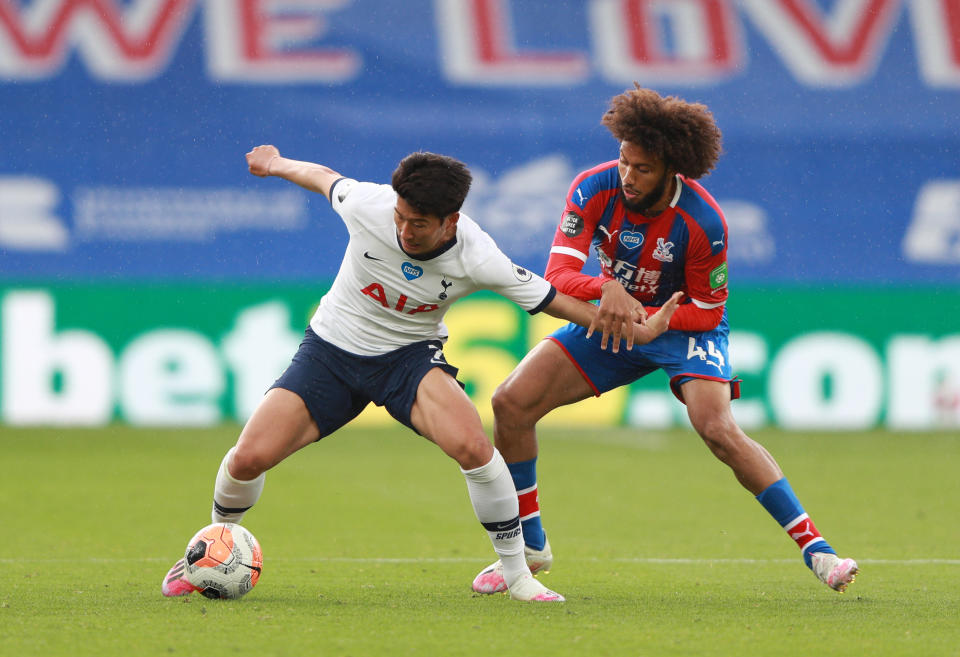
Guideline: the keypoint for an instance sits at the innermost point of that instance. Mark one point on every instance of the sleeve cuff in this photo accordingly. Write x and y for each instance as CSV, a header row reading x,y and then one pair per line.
x,y
546,301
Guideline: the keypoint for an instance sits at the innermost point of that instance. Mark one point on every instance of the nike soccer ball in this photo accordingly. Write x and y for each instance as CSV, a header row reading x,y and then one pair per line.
x,y
223,560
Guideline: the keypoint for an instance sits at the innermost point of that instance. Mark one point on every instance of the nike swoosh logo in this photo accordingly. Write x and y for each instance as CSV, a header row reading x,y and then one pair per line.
x,y
366,254
501,526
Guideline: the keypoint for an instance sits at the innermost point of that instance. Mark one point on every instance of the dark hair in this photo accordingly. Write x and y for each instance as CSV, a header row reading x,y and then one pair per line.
x,y
433,184
683,135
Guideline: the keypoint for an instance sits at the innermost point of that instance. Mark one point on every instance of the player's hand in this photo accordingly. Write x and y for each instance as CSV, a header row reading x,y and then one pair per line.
x,y
259,159
658,322
616,315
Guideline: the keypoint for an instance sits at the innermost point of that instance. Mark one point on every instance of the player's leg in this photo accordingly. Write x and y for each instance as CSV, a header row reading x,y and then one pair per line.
x,y
309,400
445,415
280,426
313,397
708,406
545,379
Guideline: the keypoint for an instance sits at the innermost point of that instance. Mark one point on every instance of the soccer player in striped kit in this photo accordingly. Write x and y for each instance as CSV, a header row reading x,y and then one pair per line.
x,y
656,231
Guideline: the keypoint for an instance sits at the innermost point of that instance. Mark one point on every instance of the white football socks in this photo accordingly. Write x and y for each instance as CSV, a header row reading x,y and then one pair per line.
x,y
494,501
232,497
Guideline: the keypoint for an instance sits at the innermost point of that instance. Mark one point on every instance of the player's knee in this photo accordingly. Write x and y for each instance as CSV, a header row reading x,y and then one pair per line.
x,y
472,452
248,463
507,405
720,434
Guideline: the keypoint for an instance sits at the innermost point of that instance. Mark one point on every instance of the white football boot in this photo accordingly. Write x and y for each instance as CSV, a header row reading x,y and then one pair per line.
x,y
529,589
490,579
833,571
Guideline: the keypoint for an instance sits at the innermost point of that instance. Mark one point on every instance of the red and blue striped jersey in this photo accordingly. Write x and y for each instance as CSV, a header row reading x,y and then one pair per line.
x,y
683,248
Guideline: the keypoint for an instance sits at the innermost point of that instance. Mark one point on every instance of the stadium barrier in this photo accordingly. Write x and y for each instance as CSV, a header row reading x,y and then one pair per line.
x,y
192,355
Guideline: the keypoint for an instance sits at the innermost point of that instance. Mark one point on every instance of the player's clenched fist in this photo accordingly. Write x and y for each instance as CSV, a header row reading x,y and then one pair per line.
x,y
259,159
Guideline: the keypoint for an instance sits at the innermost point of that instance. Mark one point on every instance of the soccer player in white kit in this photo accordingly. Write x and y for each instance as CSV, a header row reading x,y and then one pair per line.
x,y
378,336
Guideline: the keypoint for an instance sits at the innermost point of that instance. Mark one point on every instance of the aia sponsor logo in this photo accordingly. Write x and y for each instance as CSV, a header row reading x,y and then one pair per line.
x,y
377,292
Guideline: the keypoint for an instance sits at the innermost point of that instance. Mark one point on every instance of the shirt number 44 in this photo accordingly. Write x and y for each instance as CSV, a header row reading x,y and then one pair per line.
x,y
711,355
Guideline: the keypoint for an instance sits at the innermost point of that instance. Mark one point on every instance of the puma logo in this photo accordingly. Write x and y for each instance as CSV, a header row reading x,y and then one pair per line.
x,y
606,232
806,531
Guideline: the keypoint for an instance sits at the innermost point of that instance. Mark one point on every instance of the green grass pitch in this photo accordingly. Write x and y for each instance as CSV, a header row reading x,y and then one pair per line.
x,y
370,545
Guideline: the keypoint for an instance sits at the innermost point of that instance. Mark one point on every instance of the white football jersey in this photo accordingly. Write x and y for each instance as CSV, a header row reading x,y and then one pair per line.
x,y
383,298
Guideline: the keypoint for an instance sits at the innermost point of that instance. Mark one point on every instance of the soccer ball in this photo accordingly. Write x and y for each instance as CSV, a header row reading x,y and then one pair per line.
x,y
223,560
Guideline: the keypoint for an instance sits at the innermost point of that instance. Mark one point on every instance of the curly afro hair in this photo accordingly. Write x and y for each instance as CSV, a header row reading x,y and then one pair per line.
x,y
683,135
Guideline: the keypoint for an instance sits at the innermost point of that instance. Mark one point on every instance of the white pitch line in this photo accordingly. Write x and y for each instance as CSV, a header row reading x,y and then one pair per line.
x,y
402,560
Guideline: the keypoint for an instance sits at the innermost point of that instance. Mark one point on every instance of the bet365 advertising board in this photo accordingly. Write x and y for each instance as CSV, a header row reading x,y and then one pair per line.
x,y
146,277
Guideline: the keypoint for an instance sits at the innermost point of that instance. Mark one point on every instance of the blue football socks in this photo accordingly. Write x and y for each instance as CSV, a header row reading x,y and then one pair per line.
x,y
524,476
780,502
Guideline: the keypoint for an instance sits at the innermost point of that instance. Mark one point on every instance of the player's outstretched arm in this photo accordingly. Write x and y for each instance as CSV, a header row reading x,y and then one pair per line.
x,y
584,314
658,322
266,161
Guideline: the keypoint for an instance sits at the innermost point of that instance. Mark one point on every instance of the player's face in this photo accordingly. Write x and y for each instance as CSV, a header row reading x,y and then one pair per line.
x,y
646,183
420,233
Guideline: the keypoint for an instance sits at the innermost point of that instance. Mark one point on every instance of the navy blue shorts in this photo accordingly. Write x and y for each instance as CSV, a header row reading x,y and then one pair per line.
x,y
337,385
682,355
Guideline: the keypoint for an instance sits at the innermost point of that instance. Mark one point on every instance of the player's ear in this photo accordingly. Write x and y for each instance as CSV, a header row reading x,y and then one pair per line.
x,y
452,218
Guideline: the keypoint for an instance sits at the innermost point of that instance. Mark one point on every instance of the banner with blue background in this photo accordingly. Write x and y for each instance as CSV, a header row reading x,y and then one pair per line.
x,y
124,124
